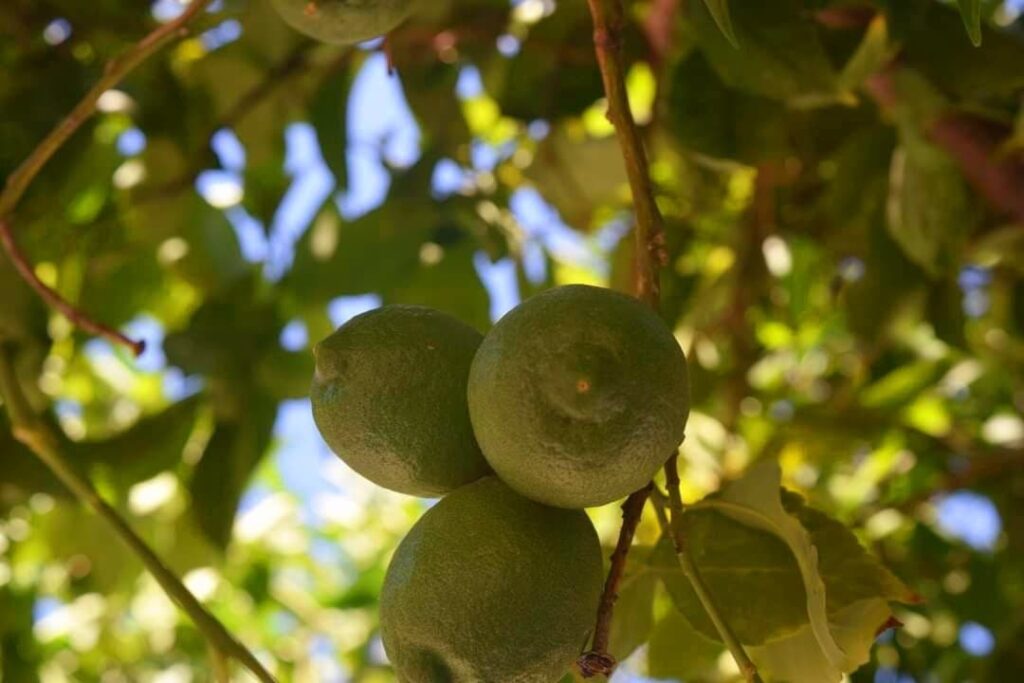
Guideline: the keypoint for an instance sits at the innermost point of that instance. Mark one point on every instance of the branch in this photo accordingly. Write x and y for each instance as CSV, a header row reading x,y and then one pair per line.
x,y
649,233
78,318
45,444
23,176
598,661
113,74
650,246
675,530
972,142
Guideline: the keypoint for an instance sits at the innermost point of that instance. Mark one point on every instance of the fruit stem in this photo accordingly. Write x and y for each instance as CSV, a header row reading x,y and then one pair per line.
x,y
45,443
19,181
649,234
597,661
77,317
674,529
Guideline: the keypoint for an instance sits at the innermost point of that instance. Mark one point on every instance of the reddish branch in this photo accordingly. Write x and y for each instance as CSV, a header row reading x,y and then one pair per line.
x,y
649,235
598,661
77,317
659,26
113,74
23,176
972,142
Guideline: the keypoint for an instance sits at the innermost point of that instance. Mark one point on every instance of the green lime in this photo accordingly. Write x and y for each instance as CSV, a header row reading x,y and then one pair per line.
x,y
344,22
578,396
389,397
491,587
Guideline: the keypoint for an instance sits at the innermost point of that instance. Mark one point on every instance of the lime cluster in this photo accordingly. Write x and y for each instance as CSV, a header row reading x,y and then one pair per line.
x,y
573,399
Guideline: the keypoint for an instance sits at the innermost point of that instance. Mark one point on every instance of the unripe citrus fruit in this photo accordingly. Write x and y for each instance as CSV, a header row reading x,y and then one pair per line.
x,y
578,396
344,22
389,397
491,587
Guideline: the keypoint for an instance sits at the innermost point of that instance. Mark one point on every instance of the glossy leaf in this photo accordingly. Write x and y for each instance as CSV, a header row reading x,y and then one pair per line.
x,y
970,10
795,573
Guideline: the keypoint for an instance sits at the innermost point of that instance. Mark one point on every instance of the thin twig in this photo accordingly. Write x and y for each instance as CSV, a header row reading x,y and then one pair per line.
x,y
23,176
598,661
649,238
675,531
113,74
77,317
34,433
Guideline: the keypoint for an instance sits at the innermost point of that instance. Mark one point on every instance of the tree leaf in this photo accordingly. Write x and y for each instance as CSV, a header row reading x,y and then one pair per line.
x,y
931,34
711,119
781,58
230,458
678,651
450,284
828,577
742,566
970,11
329,115
872,54
799,659
540,82
930,209
150,446
719,9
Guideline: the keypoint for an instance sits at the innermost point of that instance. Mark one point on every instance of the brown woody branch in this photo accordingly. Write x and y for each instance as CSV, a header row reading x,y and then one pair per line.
x,y
77,317
114,73
19,181
648,233
598,661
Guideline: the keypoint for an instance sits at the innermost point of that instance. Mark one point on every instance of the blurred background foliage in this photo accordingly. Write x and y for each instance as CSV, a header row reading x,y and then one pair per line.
x,y
849,289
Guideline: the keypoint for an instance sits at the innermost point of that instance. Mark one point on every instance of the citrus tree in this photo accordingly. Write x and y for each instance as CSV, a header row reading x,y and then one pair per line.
x,y
668,339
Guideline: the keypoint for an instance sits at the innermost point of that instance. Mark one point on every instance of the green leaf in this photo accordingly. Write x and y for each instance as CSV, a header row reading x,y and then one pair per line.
x,y
900,386
678,651
150,446
22,474
932,35
230,458
871,55
799,659
816,566
742,566
576,174
781,58
719,9
329,116
543,83
285,374
970,11
709,118
449,284
930,208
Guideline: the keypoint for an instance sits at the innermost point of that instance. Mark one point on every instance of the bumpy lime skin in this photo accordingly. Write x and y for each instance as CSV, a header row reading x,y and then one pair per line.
x,y
344,22
389,397
578,396
490,587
